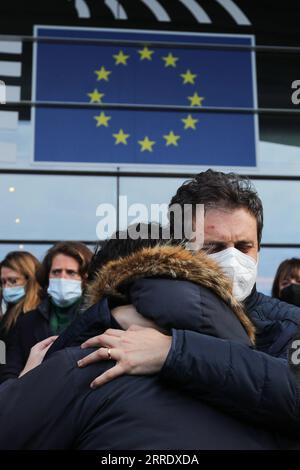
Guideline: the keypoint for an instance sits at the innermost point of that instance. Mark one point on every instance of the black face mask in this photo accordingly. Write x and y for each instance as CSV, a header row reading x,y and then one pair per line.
x,y
291,294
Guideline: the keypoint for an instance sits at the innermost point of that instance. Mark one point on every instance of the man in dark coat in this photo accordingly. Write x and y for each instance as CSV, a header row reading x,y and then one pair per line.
x,y
53,407
255,384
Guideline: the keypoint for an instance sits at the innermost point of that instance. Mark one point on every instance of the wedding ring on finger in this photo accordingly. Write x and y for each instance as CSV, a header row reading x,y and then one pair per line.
x,y
109,353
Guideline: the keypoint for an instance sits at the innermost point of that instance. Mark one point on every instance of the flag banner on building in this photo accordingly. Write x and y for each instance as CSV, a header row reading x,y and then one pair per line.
x,y
145,75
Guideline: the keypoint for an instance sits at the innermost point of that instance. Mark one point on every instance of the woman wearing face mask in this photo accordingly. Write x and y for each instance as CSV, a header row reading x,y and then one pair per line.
x,y
20,290
63,276
286,285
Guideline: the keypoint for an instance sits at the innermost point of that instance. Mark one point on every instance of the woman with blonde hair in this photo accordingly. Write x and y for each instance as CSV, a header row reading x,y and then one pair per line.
x,y
20,290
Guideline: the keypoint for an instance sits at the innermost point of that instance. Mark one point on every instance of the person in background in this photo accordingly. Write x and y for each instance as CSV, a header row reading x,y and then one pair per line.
x,y
20,290
63,276
286,285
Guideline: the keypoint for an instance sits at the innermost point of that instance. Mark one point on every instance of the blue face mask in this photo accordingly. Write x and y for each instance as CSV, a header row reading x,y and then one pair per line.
x,y
64,292
12,295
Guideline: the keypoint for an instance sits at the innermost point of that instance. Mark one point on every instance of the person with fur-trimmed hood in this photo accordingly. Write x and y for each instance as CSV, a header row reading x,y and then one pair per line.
x,y
253,383
162,286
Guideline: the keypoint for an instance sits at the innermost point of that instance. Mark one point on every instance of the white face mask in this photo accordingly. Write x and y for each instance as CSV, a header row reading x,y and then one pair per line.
x,y
241,268
64,292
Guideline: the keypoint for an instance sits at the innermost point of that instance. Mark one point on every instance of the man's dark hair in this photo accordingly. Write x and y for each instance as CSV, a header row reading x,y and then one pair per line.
x,y
121,244
77,250
215,190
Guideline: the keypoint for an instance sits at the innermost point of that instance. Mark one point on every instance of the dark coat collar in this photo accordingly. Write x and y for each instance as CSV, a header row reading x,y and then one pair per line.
x,y
251,300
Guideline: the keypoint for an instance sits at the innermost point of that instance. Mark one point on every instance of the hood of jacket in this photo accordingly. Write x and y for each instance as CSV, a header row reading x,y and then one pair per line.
x,y
169,262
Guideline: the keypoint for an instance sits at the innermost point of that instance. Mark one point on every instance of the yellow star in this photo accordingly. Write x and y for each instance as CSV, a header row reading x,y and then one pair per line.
x,y
171,139
121,137
189,122
102,119
146,144
145,53
188,77
121,58
196,100
170,60
95,96
102,74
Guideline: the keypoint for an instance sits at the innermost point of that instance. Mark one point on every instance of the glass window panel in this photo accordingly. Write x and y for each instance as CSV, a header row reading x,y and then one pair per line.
x,y
269,260
281,210
42,207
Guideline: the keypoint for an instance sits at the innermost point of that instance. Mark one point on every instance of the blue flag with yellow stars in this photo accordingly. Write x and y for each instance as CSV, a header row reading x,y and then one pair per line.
x,y
139,73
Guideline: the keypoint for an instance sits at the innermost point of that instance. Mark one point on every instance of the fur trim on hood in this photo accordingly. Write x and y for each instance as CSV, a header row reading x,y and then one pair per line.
x,y
166,261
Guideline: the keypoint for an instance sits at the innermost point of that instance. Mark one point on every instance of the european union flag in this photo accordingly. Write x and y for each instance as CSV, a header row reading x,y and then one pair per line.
x,y
140,73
